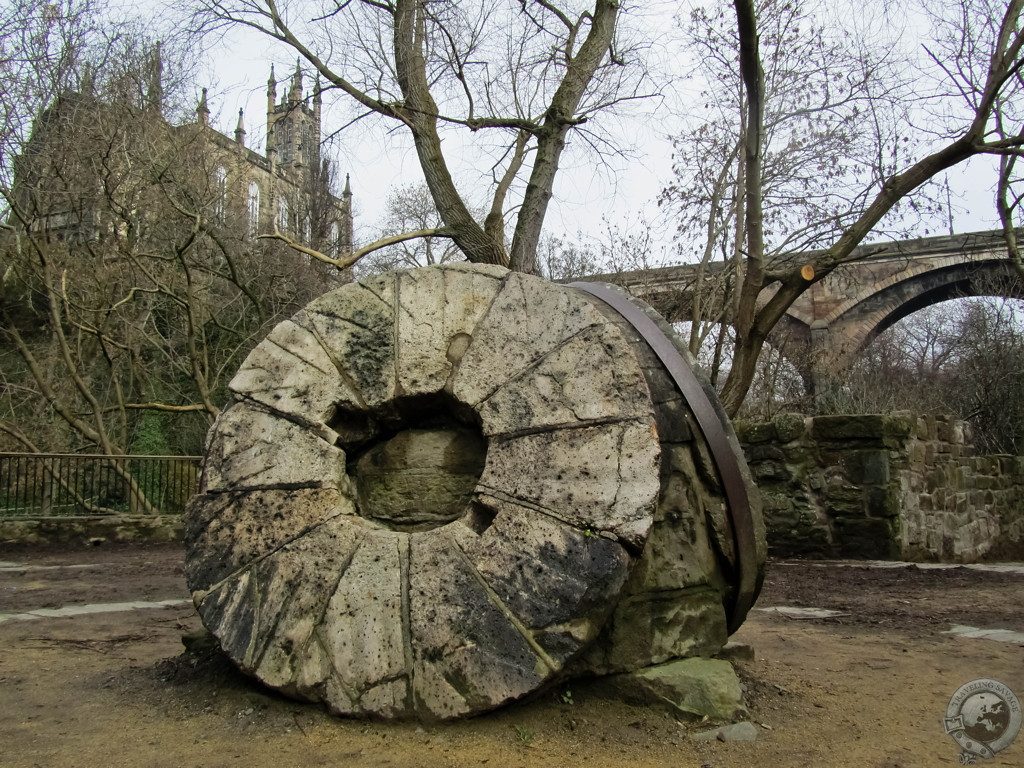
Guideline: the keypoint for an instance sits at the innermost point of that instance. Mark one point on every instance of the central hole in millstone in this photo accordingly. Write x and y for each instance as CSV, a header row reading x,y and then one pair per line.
x,y
420,478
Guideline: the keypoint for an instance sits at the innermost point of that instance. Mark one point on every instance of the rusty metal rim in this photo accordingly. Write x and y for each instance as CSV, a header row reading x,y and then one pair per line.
x,y
712,428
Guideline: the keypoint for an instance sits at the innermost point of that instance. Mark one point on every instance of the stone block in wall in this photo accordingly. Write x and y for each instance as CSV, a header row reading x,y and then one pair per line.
x,y
921,428
765,452
843,500
842,427
799,534
862,427
789,426
768,471
867,537
867,467
883,502
752,434
799,456
916,452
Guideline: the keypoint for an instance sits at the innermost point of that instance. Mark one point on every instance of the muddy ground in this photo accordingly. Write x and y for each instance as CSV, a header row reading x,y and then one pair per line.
x,y
866,689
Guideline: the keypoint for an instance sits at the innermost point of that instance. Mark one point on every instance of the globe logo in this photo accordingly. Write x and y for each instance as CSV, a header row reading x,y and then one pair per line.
x,y
983,717
986,716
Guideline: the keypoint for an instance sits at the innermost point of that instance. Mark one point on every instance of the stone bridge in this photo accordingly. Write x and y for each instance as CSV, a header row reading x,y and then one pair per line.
x,y
839,315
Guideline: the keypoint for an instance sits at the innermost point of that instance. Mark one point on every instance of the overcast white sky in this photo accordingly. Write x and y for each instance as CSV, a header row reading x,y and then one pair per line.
x,y
238,64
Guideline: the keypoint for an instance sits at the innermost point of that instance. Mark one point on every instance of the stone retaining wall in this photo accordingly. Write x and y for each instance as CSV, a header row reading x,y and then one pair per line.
x,y
884,486
89,530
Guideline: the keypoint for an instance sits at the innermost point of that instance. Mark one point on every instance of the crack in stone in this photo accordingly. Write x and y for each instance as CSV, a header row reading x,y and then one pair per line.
x,y
582,424
318,624
583,528
618,467
315,427
215,515
449,385
404,565
304,485
396,337
238,572
394,677
254,594
366,286
317,635
232,483
289,351
342,373
272,633
537,361
498,603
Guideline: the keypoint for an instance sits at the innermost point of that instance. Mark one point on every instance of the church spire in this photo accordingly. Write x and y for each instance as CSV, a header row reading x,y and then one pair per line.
x,y
88,79
295,92
240,129
155,77
271,90
271,105
203,110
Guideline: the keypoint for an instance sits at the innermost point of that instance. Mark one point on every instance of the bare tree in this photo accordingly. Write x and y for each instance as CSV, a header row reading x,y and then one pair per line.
x,y
831,106
132,289
520,76
41,43
619,251
410,208
981,63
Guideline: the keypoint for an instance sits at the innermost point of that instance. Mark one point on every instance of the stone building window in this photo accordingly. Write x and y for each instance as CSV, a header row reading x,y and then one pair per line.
x,y
220,193
334,247
253,208
282,214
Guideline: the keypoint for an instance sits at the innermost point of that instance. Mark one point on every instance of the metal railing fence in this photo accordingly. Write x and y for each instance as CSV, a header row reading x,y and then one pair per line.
x,y
44,484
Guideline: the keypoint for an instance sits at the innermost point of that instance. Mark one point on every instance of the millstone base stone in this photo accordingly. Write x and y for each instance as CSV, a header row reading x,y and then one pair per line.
x,y
743,731
737,652
691,688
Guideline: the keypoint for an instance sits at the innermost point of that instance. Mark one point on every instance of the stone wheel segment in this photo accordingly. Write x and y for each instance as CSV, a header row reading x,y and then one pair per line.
x,y
328,593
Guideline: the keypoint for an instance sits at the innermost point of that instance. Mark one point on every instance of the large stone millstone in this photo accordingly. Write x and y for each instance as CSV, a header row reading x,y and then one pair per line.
x,y
432,488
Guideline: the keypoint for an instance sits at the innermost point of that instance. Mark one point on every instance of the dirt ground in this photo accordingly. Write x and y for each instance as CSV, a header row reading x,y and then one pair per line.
x,y
865,689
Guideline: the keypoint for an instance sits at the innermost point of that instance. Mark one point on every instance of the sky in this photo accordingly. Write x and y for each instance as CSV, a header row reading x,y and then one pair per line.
x,y
623,193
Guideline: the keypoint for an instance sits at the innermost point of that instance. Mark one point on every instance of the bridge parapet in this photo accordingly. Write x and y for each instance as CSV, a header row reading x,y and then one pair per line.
x,y
843,312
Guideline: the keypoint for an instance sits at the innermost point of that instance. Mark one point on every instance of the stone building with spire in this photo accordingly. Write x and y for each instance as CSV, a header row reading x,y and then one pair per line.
x,y
288,188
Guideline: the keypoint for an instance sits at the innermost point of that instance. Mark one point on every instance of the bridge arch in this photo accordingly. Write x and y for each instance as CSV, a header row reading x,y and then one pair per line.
x,y
857,323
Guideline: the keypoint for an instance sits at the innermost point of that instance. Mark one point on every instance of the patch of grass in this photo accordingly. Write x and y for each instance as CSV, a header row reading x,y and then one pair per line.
x,y
524,735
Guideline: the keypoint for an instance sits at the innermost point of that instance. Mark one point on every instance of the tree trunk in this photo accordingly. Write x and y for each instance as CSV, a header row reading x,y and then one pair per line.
x,y
420,114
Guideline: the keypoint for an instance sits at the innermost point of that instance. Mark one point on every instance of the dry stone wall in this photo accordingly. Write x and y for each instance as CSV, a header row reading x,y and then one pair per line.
x,y
884,486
